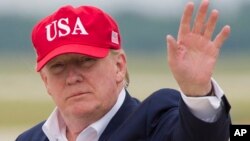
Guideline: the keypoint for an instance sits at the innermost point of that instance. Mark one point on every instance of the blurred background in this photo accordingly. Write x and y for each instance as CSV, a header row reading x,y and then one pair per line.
x,y
143,25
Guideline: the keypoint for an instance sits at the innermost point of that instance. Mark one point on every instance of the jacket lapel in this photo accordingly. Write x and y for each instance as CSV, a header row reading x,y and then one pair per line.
x,y
129,105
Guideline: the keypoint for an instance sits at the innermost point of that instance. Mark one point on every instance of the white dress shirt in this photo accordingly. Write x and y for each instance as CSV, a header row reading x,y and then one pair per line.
x,y
208,110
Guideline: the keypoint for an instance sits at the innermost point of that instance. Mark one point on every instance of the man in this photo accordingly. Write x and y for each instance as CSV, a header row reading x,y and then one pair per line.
x,y
83,67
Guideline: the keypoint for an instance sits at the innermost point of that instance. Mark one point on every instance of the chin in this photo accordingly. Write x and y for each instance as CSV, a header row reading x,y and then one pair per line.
x,y
83,109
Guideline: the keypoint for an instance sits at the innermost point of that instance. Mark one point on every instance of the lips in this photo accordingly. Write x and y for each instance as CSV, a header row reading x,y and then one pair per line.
x,y
77,94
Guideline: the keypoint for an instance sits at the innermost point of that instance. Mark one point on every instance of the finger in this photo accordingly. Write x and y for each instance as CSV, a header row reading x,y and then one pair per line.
x,y
201,16
171,46
222,36
211,23
185,20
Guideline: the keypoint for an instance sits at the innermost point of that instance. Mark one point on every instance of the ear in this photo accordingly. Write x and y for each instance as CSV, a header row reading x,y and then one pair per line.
x,y
45,80
121,65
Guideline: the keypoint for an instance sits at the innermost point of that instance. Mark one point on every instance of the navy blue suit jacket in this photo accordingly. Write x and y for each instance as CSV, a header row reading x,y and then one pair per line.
x,y
161,117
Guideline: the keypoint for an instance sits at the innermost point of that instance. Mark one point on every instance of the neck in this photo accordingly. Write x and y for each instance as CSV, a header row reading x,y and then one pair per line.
x,y
71,136
74,126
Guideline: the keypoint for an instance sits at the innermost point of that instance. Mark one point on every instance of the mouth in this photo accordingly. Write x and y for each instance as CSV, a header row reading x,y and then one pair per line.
x,y
78,94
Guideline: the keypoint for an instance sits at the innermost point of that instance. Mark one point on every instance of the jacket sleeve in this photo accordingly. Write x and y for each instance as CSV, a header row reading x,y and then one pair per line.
x,y
194,129
164,117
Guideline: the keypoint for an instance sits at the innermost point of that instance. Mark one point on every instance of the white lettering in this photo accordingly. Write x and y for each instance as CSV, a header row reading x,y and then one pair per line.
x,y
64,27
243,131
48,31
79,26
239,132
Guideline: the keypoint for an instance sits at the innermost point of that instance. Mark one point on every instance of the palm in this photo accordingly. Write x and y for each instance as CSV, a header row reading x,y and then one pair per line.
x,y
196,59
193,56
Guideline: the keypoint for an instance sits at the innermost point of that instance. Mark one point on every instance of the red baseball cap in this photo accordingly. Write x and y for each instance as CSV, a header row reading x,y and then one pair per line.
x,y
84,30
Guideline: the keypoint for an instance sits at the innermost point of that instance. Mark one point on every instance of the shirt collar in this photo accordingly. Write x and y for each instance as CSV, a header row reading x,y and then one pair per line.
x,y
101,124
54,127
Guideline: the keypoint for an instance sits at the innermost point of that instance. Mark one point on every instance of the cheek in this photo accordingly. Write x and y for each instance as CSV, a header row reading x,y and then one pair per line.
x,y
55,89
106,85
106,79
54,85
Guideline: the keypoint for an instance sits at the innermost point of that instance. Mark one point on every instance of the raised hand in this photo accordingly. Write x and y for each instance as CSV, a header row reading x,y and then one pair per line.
x,y
193,56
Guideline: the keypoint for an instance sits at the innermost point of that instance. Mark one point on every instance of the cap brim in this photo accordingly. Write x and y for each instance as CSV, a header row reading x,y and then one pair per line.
x,y
91,51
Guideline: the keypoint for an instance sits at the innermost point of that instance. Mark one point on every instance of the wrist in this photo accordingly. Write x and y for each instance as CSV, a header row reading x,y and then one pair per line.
x,y
199,91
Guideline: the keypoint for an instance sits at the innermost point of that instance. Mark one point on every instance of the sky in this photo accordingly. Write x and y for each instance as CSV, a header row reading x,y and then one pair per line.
x,y
155,8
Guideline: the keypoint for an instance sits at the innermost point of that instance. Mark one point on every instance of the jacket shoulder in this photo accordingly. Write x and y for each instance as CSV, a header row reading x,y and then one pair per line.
x,y
164,97
153,117
33,134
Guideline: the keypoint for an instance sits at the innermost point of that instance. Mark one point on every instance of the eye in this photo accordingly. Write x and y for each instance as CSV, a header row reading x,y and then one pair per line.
x,y
87,61
57,67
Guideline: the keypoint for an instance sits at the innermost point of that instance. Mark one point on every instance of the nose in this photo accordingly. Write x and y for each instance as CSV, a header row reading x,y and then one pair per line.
x,y
74,76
